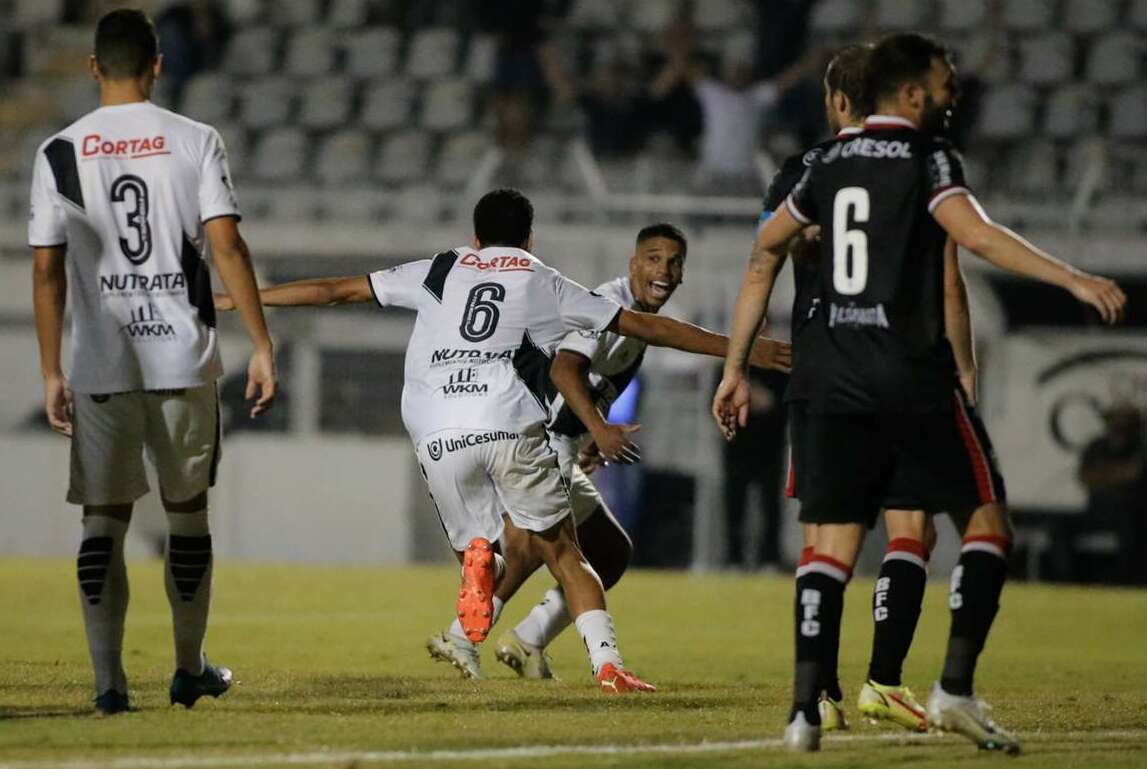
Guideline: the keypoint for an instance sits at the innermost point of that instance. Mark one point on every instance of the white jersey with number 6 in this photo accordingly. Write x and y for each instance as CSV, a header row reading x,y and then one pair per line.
x,y
127,189
488,323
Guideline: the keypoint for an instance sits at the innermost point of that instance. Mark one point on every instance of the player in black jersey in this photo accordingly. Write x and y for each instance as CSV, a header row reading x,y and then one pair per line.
x,y
886,417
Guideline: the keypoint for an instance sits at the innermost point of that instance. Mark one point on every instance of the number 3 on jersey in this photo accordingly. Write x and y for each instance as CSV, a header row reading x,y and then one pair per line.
x,y
132,191
480,318
849,246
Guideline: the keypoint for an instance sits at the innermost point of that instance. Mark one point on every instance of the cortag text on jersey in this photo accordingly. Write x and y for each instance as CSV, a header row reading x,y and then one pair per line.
x,y
94,145
496,263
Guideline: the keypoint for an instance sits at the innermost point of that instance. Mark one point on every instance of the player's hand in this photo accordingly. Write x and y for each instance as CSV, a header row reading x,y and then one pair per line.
x,y
223,302
58,405
614,445
1101,293
772,354
262,381
590,459
731,403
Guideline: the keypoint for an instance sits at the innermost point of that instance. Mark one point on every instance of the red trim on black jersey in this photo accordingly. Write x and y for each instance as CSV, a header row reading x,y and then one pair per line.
x,y
981,468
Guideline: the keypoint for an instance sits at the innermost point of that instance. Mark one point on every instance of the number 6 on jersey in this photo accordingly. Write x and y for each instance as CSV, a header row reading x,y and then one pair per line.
x,y
849,277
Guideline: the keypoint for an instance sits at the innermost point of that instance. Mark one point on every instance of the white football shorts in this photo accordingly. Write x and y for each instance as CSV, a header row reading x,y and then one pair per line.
x,y
474,476
585,499
179,430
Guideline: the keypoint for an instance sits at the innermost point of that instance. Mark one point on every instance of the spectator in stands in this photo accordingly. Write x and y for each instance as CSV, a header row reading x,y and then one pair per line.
x,y
611,104
1113,469
672,107
193,38
782,32
732,110
755,459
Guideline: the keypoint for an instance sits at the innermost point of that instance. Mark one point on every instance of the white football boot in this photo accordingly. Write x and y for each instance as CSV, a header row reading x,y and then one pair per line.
x,y
801,736
967,716
463,656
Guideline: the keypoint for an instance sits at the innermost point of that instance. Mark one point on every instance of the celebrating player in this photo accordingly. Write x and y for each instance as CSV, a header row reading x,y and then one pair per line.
x,y
134,197
475,397
594,368
885,414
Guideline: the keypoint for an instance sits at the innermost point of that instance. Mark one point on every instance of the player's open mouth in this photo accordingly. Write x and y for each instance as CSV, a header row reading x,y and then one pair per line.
x,y
659,289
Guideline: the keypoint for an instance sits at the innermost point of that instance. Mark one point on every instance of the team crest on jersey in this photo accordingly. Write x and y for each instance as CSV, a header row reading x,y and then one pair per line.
x,y
94,145
434,449
506,263
811,156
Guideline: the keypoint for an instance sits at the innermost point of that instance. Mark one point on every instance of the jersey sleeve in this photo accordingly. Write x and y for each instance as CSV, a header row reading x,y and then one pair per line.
x,y
47,225
800,202
581,308
216,195
945,175
584,342
400,286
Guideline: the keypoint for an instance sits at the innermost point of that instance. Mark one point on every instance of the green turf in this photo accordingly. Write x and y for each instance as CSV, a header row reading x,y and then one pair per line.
x,y
333,659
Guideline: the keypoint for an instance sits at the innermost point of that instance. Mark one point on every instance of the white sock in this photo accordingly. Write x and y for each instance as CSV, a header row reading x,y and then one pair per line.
x,y
188,577
459,635
596,629
546,620
102,576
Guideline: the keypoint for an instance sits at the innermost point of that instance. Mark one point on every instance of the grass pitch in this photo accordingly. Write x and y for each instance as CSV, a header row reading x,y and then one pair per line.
x,y
332,672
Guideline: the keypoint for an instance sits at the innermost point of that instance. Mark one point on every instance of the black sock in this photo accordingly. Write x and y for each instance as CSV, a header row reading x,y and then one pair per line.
x,y
817,612
974,600
896,601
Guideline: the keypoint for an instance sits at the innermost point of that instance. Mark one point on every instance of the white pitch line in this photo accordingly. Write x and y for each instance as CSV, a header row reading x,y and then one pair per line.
x,y
520,752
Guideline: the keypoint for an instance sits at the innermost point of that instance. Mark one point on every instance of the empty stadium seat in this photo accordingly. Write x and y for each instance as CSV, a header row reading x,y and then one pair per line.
x,y
1128,112
75,97
310,52
343,157
651,16
594,14
252,51
896,14
961,15
1032,168
1008,112
448,104
347,14
1028,15
372,52
1084,17
479,66
267,102
296,13
1137,14
326,102
1071,111
835,16
433,53
1114,58
237,145
280,155
291,203
1047,58
243,11
461,155
418,203
405,157
387,105
358,204
209,98
986,53
716,15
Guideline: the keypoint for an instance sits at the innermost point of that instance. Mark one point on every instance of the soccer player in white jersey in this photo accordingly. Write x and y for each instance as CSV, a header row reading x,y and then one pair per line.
x,y
595,368
126,204
475,400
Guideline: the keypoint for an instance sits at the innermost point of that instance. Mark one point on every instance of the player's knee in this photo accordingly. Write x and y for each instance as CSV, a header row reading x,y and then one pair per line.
x,y
990,521
195,504
118,512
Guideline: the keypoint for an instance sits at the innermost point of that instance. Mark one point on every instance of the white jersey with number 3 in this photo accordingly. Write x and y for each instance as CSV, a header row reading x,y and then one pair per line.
x,y
127,189
488,323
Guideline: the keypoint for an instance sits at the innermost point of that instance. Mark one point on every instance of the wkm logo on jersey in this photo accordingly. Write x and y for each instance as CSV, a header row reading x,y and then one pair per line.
x,y
147,323
462,383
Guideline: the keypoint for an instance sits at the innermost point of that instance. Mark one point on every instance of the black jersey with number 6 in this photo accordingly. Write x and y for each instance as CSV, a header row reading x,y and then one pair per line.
x,y
877,344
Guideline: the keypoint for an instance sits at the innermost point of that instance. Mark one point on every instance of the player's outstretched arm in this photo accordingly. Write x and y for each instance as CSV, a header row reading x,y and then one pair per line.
x,y
312,292
731,402
570,374
958,320
965,221
49,296
233,260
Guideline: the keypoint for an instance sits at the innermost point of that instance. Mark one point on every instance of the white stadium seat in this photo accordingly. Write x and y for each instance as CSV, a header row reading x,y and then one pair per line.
x,y
448,104
292,203
252,51
1047,58
961,15
594,14
1128,112
243,12
343,157
1028,15
717,15
326,102
835,16
418,203
359,204
987,53
387,105
310,52
209,98
237,145
1085,17
372,52
461,155
280,155
404,157
1114,58
897,14
1032,168
347,14
297,13
651,16
1008,112
266,102
1071,111
480,59
433,53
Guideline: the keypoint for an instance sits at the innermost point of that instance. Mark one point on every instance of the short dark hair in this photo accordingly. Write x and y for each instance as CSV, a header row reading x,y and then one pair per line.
x,y
846,73
899,59
126,43
503,217
664,230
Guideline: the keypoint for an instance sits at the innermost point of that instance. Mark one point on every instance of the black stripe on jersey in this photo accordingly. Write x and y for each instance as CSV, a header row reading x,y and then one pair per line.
x,y
533,367
61,155
436,277
198,282
566,421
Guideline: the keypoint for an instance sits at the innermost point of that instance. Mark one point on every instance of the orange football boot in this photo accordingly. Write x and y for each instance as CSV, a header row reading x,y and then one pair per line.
x,y
475,604
615,680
